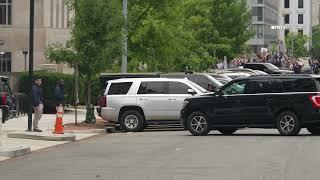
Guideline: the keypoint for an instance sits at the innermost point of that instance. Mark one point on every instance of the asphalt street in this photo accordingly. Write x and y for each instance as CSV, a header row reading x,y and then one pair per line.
x,y
250,154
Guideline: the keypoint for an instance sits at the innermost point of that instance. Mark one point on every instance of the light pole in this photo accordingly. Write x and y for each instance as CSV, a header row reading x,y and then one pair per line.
x,y
31,41
125,37
2,54
25,53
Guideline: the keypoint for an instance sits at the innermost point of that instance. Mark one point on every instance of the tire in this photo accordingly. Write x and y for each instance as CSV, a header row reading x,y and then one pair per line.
x,y
198,129
132,121
227,131
314,130
288,123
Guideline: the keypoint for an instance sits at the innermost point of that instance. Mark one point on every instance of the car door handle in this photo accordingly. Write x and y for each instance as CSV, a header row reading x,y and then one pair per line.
x,y
269,99
143,99
172,99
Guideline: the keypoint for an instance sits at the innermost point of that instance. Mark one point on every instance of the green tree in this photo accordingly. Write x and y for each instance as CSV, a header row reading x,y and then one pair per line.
x,y
95,38
220,28
296,42
316,42
156,34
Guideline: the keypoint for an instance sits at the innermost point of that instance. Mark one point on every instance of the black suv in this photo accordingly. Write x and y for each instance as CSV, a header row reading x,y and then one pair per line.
x,y
267,68
285,102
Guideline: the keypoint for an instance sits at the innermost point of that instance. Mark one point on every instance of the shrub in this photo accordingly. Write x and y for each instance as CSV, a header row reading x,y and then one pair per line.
x,y
49,81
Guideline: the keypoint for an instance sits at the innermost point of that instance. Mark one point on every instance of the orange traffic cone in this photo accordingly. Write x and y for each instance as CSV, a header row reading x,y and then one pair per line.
x,y
59,127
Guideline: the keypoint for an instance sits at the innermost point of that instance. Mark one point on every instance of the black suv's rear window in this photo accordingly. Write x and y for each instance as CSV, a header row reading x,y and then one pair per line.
x,y
299,85
119,88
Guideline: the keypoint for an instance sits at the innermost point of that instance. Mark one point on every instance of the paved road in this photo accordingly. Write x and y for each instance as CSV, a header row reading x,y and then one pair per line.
x,y
174,155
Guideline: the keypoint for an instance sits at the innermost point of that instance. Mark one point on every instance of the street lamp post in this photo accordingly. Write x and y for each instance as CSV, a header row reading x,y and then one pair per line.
x,y
25,53
31,41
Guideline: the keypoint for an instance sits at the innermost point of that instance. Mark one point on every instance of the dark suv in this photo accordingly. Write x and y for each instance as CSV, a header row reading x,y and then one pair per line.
x,y
285,102
267,68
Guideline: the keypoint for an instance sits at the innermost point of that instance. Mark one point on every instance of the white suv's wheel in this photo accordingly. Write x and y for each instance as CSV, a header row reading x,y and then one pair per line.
x,y
198,124
132,121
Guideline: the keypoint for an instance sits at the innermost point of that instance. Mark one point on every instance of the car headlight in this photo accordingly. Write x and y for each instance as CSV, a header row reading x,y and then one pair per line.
x,y
185,103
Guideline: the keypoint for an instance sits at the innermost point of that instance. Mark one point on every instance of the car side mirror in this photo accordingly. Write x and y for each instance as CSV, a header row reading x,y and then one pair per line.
x,y
219,93
191,91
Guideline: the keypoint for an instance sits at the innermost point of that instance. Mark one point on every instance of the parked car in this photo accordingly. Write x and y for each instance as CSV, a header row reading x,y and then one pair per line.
x,y
105,77
134,103
204,80
267,68
285,102
234,75
249,71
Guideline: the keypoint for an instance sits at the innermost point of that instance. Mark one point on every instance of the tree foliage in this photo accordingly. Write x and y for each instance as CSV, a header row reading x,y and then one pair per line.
x,y
95,38
316,42
297,43
171,35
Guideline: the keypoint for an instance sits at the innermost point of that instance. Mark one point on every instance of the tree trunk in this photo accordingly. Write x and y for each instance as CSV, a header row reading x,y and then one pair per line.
x,y
89,90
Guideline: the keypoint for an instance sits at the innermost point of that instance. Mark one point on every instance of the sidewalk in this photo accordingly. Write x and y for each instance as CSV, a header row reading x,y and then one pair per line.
x,y
19,125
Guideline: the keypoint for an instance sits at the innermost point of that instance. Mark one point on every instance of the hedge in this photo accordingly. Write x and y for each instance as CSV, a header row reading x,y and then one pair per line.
x,y
49,81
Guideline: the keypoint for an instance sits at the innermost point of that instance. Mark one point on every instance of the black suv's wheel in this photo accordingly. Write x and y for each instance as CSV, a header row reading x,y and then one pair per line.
x,y
227,131
197,123
132,121
288,123
314,130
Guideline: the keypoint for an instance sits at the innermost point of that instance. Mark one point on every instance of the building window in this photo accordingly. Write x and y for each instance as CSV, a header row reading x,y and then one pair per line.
x,y
287,19
5,12
260,14
300,18
286,3
300,3
260,1
286,32
5,62
300,31
260,31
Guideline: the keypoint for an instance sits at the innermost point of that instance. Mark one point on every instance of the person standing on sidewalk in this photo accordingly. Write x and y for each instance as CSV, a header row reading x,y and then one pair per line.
x,y
37,97
59,94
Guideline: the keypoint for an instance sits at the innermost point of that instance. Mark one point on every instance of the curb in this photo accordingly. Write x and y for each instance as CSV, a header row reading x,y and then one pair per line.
x,y
91,131
44,137
14,151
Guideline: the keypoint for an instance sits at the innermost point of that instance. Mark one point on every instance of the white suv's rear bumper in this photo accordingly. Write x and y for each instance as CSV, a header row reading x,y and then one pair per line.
x,y
110,114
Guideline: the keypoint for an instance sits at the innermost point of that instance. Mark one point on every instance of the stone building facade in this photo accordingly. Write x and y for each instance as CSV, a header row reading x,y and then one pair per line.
x,y
52,19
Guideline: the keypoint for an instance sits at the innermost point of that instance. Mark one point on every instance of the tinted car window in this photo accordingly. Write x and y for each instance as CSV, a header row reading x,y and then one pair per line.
x,y
119,88
234,88
255,66
201,81
263,86
177,88
151,88
299,85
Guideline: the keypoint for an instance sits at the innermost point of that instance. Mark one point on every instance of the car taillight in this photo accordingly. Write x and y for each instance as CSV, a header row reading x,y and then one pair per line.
x,y
104,101
315,100
4,99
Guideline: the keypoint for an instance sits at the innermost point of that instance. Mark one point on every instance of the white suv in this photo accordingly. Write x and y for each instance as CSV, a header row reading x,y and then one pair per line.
x,y
134,102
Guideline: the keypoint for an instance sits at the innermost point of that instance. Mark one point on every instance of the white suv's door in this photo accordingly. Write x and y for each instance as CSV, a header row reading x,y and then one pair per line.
x,y
177,93
152,98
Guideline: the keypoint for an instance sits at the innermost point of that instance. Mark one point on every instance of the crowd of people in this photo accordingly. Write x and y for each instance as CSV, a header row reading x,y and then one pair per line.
x,y
280,60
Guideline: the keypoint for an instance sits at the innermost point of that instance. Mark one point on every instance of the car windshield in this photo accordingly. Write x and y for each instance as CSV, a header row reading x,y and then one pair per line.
x,y
201,89
271,67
